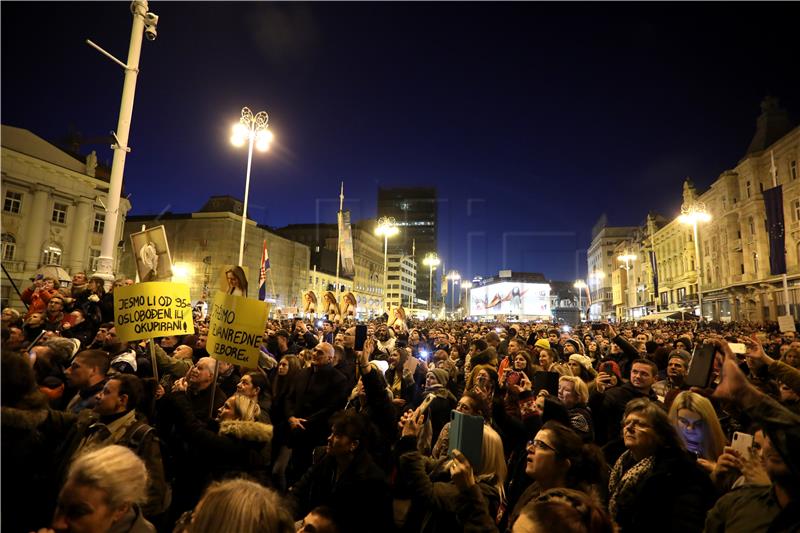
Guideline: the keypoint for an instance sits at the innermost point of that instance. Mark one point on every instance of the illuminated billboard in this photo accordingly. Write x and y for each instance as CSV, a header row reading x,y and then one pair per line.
x,y
510,298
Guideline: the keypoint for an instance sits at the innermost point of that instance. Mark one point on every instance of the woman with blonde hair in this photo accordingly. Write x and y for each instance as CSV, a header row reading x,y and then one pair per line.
x,y
573,393
103,491
696,422
238,505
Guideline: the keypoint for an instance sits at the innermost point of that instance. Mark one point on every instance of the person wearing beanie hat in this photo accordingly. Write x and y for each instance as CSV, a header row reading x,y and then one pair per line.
x,y
542,344
611,367
572,346
684,343
443,402
581,367
677,370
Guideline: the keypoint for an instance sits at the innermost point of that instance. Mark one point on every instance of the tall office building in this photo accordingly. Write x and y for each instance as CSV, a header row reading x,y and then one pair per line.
x,y
415,211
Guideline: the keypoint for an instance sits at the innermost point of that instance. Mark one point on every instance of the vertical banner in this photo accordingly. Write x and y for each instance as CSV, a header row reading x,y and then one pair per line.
x,y
236,329
346,244
654,267
773,203
154,309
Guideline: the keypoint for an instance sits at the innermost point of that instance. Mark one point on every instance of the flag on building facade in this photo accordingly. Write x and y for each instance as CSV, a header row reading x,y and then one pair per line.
x,y
346,244
654,267
773,203
262,274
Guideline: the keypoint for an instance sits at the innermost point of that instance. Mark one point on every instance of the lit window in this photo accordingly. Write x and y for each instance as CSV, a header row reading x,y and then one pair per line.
x,y
99,222
94,255
9,247
51,255
13,202
59,213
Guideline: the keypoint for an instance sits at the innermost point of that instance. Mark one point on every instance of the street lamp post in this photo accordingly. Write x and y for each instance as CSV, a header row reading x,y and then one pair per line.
x,y
580,285
693,214
144,22
431,260
466,285
255,130
453,276
387,227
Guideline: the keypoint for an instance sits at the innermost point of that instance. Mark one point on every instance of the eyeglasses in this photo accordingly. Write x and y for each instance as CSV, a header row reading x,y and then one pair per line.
x,y
540,445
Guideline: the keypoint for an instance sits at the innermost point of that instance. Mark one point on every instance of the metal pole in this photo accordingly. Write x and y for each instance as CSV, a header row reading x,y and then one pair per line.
x,y
246,192
105,263
430,290
339,237
698,270
385,268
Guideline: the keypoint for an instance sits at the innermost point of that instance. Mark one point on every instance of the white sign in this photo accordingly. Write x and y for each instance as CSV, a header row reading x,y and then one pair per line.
x,y
786,323
510,298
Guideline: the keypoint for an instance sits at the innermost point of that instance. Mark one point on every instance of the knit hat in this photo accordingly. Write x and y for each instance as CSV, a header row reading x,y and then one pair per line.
x,y
441,375
584,361
686,342
683,354
544,344
577,344
614,367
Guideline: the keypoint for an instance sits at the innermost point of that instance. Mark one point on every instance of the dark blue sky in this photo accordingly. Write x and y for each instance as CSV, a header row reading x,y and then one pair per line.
x,y
532,119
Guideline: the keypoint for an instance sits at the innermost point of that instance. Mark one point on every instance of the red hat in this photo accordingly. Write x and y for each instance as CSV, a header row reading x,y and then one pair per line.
x,y
614,367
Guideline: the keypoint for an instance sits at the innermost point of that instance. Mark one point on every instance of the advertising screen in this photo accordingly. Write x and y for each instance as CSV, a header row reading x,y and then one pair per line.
x,y
510,298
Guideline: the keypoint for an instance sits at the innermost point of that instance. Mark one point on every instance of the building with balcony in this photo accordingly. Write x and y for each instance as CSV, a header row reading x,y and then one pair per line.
x,y
53,210
734,245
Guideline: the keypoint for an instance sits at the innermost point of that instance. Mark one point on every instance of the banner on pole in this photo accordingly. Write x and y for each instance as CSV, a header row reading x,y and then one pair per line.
x,y
773,204
153,309
346,244
236,329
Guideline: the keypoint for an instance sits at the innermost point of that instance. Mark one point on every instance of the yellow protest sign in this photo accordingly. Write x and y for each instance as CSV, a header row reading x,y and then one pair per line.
x,y
152,309
236,329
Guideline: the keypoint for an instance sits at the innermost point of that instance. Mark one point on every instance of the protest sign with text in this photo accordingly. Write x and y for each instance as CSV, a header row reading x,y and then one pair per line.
x,y
236,329
152,309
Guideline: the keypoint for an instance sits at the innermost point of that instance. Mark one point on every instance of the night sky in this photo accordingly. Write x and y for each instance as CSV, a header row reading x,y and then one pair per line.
x,y
531,119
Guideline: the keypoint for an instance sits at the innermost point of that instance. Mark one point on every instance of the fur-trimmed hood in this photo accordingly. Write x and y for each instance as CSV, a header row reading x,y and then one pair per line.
x,y
27,419
252,431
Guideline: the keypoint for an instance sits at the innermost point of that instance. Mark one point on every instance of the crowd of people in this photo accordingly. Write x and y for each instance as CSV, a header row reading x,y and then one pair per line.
x,y
596,428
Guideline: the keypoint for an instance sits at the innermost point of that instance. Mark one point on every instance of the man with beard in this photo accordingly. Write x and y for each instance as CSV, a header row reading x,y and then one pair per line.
x,y
113,420
385,342
54,317
677,369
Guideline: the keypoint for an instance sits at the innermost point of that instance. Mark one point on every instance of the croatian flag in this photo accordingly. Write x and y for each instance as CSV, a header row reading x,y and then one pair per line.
x,y
262,275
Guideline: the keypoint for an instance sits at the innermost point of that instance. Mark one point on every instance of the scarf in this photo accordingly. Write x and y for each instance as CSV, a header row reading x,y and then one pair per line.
x,y
624,482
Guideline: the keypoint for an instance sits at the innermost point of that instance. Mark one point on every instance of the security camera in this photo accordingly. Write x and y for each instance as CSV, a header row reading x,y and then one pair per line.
x,y
150,20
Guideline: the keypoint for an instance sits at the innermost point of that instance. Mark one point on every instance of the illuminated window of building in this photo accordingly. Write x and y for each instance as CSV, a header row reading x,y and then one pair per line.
x,y
9,247
51,255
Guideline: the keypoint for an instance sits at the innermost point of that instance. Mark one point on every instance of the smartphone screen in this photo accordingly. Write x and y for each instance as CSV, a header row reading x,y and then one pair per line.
x,y
701,365
361,337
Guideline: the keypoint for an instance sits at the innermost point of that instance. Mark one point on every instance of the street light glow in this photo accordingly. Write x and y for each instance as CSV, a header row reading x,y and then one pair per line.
x,y
387,227
694,214
466,284
431,260
579,284
453,275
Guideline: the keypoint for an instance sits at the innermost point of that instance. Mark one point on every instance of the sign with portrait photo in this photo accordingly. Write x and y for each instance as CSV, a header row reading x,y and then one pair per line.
x,y
151,251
